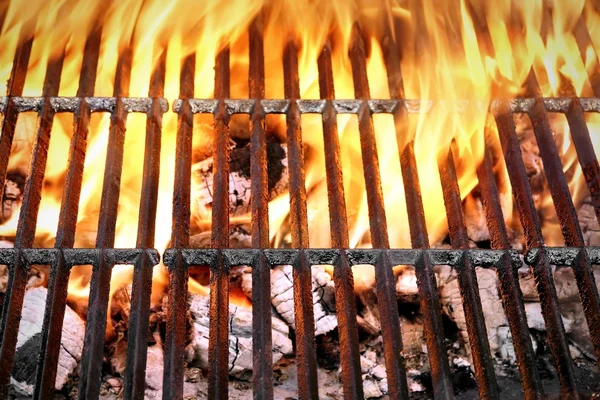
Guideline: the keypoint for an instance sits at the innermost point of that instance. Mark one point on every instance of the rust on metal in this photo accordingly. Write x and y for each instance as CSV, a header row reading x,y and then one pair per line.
x,y
385,282
180,237
338,220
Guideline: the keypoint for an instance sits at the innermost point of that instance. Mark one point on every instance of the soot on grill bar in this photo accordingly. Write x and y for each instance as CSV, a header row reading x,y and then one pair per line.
x,y
299,199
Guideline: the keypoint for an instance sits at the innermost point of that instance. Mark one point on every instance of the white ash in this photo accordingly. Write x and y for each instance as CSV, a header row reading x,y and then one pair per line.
x,y
239,179
240,337
29,340
282,296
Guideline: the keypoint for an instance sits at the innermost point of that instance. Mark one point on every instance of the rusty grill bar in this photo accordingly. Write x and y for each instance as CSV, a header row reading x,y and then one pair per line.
x,y
178,259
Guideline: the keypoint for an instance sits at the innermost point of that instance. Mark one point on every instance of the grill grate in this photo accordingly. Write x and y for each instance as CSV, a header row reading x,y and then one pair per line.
x,y
261,259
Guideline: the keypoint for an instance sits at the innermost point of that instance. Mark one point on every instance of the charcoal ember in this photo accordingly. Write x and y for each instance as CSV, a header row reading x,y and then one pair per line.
x,y
474,218
37,276
240,337
493,312
282,296
590,227
3,268
29,341
406,284
239,238
13,189
239,178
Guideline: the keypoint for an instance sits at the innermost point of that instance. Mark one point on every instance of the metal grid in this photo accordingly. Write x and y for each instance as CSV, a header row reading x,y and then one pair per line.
x,y
220,258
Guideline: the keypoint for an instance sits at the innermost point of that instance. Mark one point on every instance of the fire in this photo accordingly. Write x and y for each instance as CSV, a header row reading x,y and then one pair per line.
x,y
452,50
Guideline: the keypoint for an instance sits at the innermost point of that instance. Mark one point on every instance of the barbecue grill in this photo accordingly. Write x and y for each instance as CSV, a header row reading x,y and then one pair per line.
x,y
261,258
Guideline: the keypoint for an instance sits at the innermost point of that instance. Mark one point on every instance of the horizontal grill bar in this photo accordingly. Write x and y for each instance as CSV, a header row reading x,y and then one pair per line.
x,y
277,106
72,104
78,256
523,105
563,256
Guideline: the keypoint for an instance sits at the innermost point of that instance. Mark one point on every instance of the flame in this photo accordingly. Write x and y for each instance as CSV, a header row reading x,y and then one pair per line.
x,y
452,50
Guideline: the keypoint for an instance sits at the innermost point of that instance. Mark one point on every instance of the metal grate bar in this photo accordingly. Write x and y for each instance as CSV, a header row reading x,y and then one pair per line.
x,y
426,283
385,283
17,276
342,273
218,345
11,111
262,377
303,307
137,335
93,347
512,297
533,237
567,216
280,106
180,237
467,281
585,152
65,235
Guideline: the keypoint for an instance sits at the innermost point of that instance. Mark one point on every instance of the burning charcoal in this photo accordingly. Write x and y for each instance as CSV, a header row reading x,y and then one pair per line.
x,y
493,312
239,178
28,342
474,218
282,296
240,337
590,225
239,238
13,188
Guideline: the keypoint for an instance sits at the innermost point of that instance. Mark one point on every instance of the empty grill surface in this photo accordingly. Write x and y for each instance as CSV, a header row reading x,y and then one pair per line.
x,y
220,257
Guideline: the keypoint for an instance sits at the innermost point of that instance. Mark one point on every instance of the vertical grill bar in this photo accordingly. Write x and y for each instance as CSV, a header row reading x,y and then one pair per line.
x,y
567,216
338,219
137,336
533,236
430,304
385,283
512,297
218,345
303,307
180,237
262,360
93,347
585,152
467,279
32,194
15,88
67,222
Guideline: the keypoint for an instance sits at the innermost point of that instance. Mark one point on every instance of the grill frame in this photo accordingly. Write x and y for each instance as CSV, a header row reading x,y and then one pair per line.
x,y
220,259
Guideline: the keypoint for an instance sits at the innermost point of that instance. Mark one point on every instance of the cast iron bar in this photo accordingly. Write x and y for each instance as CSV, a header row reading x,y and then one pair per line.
x,y
512,297
430,304
180,236
338,220
262,362
15,89
467,280
93,345
218,343
137,335
306,356
385,282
